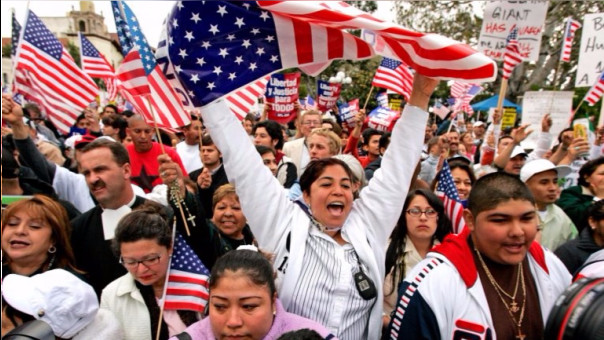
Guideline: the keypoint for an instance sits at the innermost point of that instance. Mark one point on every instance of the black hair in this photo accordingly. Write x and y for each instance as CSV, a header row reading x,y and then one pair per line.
x,y
315,168
395,255
562,132
368,133
253,264
495,188
116,121
588,169
206,140
274,130
455,164
127,113
301,334
119,152
114,107
385,140
596,210
264,149
147,222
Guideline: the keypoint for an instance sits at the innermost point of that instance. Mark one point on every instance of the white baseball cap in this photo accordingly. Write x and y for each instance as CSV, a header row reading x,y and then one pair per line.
x,y
57,297
518,151
478,123
541,165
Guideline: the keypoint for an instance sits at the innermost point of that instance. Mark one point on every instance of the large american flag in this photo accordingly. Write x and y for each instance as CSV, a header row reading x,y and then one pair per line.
x,y
160,103
187,282
394,75
512,56
447,192
213,48
96,66
567,42
427,53
49,75
595,93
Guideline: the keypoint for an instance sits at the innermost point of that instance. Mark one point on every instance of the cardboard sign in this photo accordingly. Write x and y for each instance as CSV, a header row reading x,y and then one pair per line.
x,y
591,54
558,104
395,104
382,119
281,94
508,119
328,94
347,112
498,19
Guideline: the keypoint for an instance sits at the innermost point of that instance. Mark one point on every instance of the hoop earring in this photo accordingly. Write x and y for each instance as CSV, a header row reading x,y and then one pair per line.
x,y
52,250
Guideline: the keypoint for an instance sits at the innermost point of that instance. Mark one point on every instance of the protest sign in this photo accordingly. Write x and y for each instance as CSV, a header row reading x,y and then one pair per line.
x,y
382,119
558,104
499,18
395,104
281,94
347,111
328,94
591,54
508,119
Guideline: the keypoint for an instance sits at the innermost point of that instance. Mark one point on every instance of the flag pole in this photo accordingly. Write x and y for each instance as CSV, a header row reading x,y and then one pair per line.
x,y
572,116
368,96
163,151
502,91
163,303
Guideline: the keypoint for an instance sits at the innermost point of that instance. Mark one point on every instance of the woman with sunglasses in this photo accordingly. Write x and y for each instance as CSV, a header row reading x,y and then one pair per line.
x,y
422,225
143,242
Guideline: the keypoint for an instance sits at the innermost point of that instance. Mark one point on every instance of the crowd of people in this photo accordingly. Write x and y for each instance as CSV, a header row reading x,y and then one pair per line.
x,y
323,233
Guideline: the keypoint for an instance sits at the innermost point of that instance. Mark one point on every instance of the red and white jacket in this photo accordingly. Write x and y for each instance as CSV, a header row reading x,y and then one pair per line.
x,y
443,298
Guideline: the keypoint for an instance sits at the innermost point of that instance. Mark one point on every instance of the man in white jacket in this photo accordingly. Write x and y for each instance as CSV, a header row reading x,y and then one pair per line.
x,y
490,281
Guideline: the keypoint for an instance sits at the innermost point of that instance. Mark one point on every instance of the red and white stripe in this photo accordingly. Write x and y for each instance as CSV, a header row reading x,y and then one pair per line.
x,y
186,291
569,34
59,86
454,210
315,45
511,58
243,99
399,80
595,93
141,89
429,54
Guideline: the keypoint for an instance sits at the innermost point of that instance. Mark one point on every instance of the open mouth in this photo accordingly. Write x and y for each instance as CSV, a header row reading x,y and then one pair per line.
x,y
336,208
18,244
514,247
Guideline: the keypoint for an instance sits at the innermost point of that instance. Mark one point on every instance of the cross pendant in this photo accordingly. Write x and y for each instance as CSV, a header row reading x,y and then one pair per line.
x,y
520,336
514,307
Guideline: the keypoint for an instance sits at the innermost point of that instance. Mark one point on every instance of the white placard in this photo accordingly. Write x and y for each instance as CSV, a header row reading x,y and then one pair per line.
x,y
498,19
535,104
591,54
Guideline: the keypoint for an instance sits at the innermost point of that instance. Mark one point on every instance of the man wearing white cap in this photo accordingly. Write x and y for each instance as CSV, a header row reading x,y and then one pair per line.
x,y
541,176
478,130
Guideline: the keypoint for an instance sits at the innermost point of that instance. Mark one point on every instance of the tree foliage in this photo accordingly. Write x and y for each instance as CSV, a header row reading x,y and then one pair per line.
x,y
74,52
6,50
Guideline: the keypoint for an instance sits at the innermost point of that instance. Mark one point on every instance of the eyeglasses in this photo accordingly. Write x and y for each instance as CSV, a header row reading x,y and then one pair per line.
x,y
133,264
311,123
418,212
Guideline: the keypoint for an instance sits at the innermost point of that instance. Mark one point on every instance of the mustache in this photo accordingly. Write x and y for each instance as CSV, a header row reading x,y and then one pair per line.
x,y
98,184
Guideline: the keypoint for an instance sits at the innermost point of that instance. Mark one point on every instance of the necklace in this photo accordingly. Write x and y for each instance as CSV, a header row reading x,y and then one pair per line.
x,y
513,307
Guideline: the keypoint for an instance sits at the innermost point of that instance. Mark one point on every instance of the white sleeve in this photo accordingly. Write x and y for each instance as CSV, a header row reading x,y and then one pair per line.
x,y
263,200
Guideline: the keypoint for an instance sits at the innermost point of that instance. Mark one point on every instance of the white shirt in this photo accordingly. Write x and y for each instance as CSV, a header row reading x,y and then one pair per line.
x,y
189,155
326,292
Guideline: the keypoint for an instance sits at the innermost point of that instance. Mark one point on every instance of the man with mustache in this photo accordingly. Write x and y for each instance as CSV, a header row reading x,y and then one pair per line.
x,y
499,282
